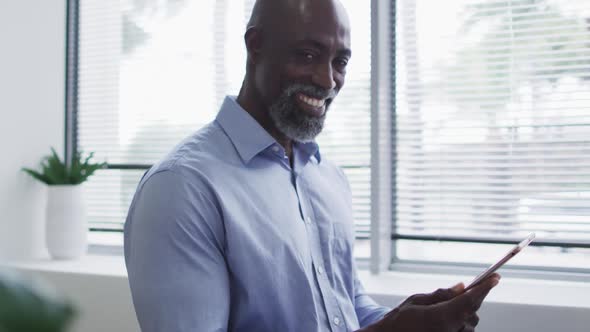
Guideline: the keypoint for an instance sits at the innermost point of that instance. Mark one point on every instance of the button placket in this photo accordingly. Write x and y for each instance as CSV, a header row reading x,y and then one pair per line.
x,y
332,307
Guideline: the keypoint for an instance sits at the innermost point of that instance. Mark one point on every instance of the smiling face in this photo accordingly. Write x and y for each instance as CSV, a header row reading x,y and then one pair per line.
x,y
299,64
300,111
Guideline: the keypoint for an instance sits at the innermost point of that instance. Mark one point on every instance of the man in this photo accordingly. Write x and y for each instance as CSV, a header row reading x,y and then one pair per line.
x,y
245,227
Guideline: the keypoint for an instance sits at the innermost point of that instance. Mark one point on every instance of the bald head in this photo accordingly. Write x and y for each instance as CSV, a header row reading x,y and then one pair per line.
x,y
281,15
265,9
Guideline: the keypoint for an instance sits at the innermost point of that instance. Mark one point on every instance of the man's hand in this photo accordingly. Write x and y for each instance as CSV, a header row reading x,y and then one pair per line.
x,y
445,310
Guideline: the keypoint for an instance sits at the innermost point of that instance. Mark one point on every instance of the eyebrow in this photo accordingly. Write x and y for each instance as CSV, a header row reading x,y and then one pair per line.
x,y
341,52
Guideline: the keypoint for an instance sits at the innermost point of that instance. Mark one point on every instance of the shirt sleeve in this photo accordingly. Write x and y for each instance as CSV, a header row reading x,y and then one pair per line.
x,y
367,310
174,244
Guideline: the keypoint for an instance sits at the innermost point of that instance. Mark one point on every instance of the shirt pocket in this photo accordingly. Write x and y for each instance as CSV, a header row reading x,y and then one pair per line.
x,y
341,246
342,260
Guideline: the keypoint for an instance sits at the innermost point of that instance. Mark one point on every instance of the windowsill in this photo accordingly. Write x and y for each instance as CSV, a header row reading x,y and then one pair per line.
x,y
388,284
96,265
510,290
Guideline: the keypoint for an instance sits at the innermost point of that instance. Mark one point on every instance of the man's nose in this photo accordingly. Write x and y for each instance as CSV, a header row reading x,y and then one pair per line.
x,y
324,77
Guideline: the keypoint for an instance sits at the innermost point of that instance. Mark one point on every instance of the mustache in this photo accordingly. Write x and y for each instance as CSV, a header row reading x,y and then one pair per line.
x,y
310,90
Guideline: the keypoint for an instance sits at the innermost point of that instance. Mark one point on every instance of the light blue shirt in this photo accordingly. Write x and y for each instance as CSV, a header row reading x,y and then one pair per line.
x,y
223,235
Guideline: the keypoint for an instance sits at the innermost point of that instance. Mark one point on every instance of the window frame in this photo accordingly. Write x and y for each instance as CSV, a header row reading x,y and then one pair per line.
x,y
442,267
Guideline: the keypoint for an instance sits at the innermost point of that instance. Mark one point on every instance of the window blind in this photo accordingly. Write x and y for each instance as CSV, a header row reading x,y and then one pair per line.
x,y
492,120
151,73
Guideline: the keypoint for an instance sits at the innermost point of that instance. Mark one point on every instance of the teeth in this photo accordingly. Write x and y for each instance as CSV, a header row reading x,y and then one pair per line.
x,y
312,101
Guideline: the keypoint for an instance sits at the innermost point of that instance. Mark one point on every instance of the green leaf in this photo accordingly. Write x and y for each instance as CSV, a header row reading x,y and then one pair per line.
x,y
36,175
55,172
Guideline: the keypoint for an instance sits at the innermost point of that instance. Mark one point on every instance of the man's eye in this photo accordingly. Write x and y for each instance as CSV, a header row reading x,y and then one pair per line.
x,y
342,62
306,57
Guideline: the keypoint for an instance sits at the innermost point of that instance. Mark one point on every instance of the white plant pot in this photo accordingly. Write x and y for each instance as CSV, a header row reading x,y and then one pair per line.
x,y
66,230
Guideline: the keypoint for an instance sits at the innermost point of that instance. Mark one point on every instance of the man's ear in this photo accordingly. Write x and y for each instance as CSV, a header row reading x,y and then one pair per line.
x,y
253,39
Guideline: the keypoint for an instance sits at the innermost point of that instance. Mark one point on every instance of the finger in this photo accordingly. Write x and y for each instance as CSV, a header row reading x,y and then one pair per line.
x,y
440,295
473,320
491,276
496,275
467,328
480,291
414,299
466,304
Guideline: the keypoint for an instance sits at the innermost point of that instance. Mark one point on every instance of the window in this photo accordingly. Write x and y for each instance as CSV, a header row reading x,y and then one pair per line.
x,y
149,73
493,131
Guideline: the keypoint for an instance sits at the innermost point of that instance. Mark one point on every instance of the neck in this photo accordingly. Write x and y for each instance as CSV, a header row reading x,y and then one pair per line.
x,y
251,102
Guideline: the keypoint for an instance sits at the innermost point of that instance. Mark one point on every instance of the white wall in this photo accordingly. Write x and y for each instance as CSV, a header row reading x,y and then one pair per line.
x,y
32,44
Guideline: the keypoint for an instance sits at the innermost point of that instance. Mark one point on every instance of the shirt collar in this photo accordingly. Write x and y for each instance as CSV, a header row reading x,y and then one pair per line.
x,y
248,136
310,149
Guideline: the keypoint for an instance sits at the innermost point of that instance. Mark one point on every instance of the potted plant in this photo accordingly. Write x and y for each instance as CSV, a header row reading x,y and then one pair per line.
x,y
66,207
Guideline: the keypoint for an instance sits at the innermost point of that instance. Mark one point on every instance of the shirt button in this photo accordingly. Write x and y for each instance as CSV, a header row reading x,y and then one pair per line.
x,y
320,270
308,220
275,148
336,321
